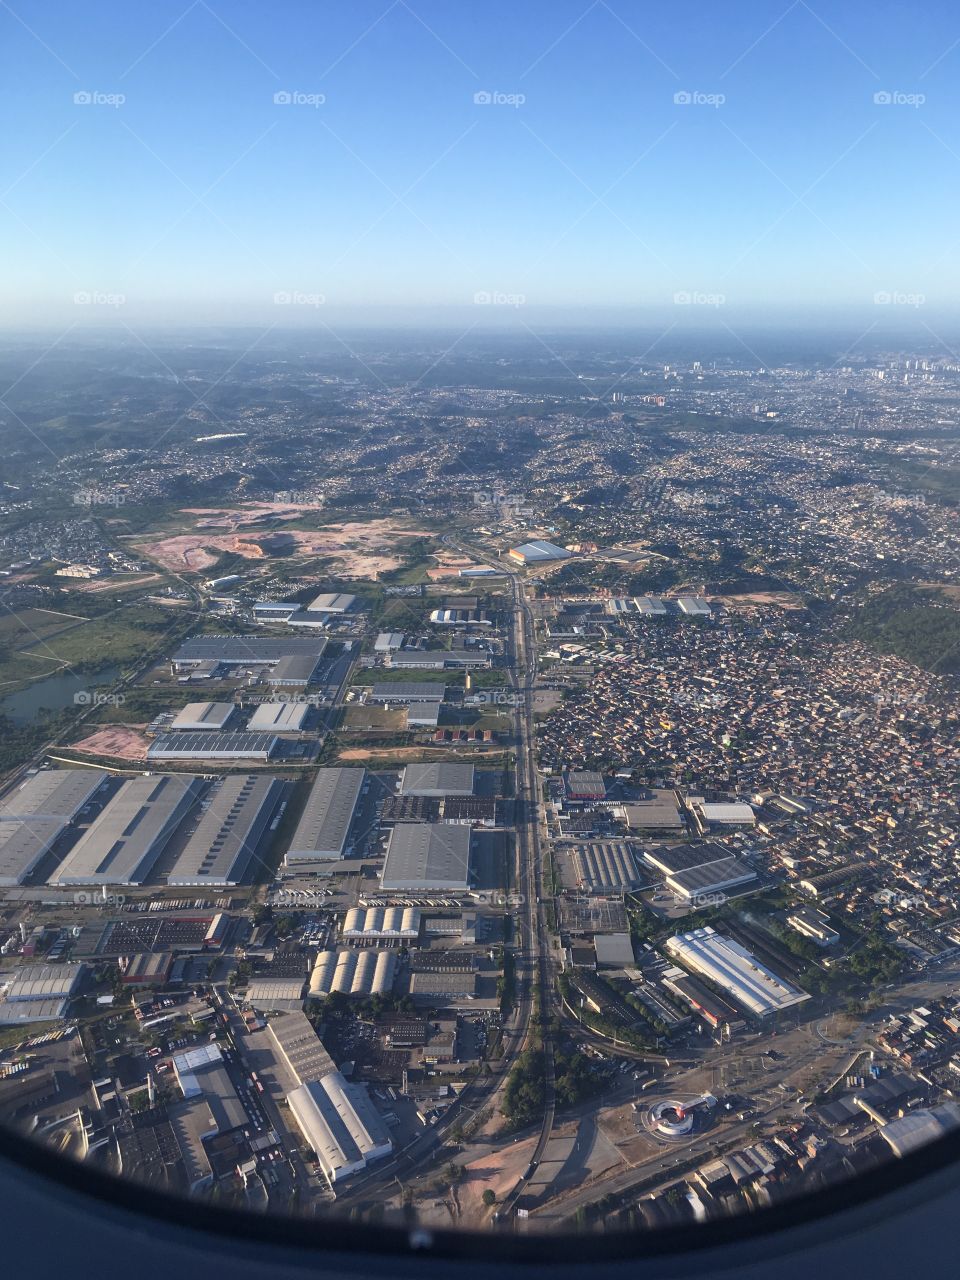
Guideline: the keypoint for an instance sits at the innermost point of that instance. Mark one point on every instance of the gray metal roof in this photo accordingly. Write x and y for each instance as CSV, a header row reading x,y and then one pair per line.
x,y
431,855
206,745
409,691
295,668
52,793
448,777
300,1047
230,832
129,835
44,982
248,649
23,842
325,821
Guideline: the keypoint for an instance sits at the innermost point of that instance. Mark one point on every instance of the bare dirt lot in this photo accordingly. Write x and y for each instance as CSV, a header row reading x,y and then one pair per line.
x,y
358,549
120,741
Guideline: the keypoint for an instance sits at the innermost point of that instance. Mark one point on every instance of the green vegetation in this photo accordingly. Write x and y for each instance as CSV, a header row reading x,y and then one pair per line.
x,y
507,983
902,621
525,1095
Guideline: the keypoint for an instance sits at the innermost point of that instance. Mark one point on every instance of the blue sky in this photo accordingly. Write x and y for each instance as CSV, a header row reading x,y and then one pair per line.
x,y
583,184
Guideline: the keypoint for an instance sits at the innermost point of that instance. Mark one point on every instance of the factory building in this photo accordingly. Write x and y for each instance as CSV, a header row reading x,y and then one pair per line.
x,y
427,857
401,691
439,659
423,715
382,925
671,859
245,651
714,877
584,784
647,606
213,746
146,968
295,671
231,833
38,993
357,973
443,987
125,841
321,833
694,606
274,610
608,866
34,817
299,1047
446,778
339,1122
202,1073
538,552
196,717
814,924
278,717
722,814
279,994
705,1004
460,618
388,640
734,969
332,602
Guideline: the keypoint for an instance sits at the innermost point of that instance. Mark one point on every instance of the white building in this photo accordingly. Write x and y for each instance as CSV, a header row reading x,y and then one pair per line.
x,y
340,1123
735,970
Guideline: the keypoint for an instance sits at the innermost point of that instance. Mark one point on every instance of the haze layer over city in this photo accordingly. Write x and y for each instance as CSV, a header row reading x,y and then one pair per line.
x,y
480,606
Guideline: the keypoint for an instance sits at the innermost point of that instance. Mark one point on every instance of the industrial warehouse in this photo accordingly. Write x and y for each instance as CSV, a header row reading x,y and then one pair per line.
x,y
339,1122
697,869
289,660
427,857
353,973
34,817
449,778
538,552
401,691
735,970
198,716
609,866
324,825
381,924
279,717
213,746
125,841
39,993
231,832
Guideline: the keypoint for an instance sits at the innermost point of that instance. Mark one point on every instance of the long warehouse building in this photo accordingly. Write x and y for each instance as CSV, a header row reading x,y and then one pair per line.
x,y
231,832
341,1124
34,817
213,746
124,843
735,970
321,834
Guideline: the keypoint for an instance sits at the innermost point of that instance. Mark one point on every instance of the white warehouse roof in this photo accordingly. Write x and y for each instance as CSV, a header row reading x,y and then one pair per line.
x,y
278,717
736,970
340,1123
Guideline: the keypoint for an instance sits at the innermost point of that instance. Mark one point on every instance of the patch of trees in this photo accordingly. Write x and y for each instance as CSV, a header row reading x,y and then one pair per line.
x,y
902,622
